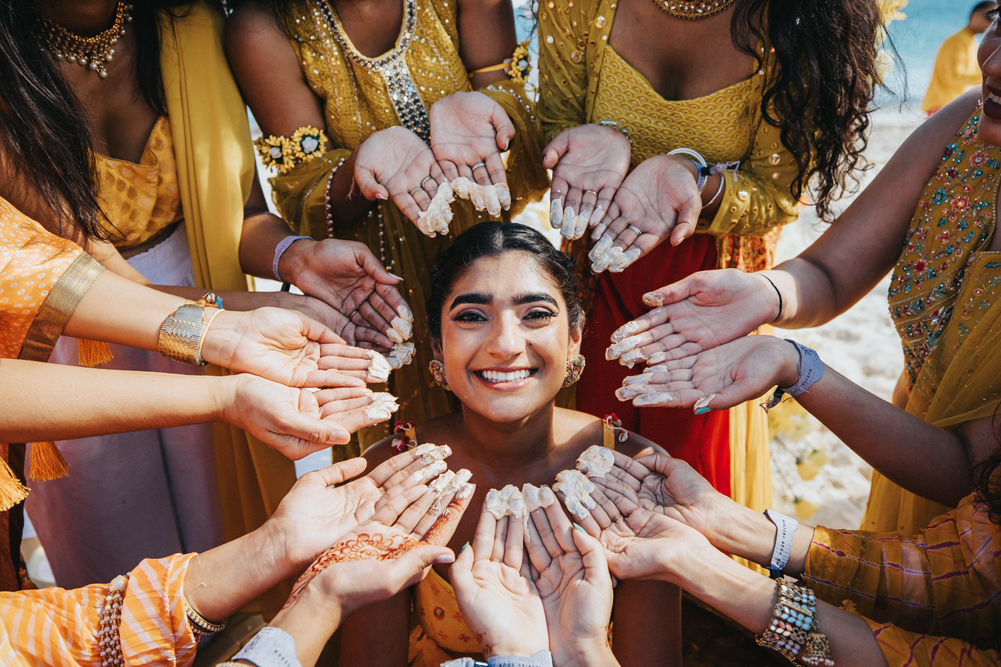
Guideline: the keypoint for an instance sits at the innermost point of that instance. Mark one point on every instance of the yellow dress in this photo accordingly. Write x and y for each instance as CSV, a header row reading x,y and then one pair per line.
x,y
931,599
941,297
956,69
584,80
363,95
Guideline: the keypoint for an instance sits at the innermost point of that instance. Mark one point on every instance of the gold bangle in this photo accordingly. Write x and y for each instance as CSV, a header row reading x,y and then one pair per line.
x,y
201,626
493,68
182,334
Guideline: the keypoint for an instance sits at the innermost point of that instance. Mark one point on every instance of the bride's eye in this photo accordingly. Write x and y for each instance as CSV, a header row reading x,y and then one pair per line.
x,y
540,315
469,316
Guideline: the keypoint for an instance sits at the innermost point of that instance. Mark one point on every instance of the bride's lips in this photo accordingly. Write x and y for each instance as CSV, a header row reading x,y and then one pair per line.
x,y
505,379
992,103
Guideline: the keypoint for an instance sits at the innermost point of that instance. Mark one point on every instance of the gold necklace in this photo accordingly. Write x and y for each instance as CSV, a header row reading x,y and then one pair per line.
x,y
693,9
95,51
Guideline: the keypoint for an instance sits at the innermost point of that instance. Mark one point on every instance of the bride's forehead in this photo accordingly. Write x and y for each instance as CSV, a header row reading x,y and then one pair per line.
x,y
505,274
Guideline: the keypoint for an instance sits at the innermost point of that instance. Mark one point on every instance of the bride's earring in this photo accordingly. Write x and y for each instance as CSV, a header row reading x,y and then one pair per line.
x,y
438,373
575,367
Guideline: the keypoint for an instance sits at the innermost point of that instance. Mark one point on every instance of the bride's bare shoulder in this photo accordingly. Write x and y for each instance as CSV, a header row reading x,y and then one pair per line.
x,y
435,431
587,430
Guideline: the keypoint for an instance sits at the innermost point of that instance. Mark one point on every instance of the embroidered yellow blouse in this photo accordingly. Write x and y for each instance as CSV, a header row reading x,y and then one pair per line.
x,y
944,302
931,599
141,200
583,80
356,98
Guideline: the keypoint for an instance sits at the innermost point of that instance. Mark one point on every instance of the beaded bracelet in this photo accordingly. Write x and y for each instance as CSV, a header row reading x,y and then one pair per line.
x,y
110,614
201,626
794,631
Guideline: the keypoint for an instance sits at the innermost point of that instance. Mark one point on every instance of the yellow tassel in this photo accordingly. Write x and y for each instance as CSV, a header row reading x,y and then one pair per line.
x,y
46,462
90,353
11,490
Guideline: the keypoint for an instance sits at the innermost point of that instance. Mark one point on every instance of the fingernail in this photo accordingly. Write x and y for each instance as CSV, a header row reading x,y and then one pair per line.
x,y
507,145
653,299
702,405
464,547
576,527
701,411
380,196
393,275
445,559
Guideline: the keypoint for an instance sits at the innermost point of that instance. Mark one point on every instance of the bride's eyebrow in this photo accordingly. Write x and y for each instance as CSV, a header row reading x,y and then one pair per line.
x,y
532,297
477,298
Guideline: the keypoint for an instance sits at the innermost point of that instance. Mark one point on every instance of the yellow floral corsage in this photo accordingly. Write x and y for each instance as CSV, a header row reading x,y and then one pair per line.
x,y
284,153
520,64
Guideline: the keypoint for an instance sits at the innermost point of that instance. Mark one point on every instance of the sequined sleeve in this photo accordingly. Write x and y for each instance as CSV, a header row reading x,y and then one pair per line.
x,y
563,73
945,580
300,194
757,197
57,626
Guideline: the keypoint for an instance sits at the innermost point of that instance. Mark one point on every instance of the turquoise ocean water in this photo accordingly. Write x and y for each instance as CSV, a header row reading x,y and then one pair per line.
x,y
928,24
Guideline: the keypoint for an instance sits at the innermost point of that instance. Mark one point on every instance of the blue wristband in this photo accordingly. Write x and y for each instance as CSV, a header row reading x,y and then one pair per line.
x,y
271,647
811,369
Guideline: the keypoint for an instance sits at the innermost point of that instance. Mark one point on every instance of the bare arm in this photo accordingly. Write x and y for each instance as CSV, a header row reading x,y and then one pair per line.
x,y
486,37
865,242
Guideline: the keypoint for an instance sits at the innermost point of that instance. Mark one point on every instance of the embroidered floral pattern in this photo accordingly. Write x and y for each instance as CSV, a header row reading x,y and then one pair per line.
x,y
954,218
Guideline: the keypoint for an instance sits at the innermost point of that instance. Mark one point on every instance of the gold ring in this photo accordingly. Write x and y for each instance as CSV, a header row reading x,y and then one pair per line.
x,y
591,192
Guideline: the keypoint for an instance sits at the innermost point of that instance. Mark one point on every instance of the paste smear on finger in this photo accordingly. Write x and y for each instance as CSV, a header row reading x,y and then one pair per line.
x,y
576,490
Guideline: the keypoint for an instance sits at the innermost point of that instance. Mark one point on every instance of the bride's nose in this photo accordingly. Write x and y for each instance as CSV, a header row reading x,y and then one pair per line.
x,y
508,339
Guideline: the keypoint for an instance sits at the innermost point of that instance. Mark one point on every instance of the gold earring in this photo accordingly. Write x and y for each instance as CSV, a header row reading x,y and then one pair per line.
x,y
438,373
575,367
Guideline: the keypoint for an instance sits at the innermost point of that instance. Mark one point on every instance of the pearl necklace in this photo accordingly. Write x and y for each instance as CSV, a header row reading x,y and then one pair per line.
x,y
693,9
94,51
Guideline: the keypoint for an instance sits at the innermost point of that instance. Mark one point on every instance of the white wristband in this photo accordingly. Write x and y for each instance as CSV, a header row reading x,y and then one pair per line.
x,y
280,250
271,647
785,527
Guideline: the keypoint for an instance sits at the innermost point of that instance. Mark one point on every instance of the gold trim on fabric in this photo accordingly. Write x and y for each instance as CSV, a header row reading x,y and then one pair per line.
x,y
57,308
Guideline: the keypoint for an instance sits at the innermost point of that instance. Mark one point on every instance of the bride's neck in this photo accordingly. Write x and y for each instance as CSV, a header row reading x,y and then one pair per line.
x,y
81,17
509,445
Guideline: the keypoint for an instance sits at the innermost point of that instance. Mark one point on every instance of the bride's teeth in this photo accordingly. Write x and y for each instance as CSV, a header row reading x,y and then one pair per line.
x,y
497,376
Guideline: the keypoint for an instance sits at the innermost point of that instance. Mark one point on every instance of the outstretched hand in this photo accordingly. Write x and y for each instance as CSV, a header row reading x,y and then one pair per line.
x,y
697,313
572,577
495,591
588,163
661,199
468,133
728,375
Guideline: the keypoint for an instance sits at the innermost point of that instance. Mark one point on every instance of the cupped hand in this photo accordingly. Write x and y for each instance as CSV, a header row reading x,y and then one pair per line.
x,y
700,312
725,376
468,133
389,551
346,277
316,514
588,163
393,163
494,588
571,574
661,199
279,345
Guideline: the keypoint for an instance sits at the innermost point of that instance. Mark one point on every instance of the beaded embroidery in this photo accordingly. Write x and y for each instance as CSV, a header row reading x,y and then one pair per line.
x,y
392,66
954,217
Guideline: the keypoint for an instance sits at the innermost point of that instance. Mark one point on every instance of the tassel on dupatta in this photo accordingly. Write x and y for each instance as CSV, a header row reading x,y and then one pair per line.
x,y
46,462
91,353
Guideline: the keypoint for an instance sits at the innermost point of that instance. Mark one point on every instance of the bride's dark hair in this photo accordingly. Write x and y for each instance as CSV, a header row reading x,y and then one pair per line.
x,y
489,239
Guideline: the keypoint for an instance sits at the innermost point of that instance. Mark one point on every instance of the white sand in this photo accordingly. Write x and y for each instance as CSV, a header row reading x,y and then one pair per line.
x,y
862,344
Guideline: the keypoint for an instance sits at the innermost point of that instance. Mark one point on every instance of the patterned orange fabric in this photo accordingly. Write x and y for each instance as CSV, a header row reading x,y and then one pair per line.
x,y
54,626
31,261
141,200
943,581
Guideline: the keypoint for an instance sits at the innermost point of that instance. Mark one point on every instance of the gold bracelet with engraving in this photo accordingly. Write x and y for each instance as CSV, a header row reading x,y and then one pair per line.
x,y
183,332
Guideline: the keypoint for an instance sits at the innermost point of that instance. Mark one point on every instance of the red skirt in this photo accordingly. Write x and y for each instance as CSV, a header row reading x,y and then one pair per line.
x,y
701,440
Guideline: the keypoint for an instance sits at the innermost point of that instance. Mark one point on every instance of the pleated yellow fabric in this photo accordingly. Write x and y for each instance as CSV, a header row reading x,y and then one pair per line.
x,y
215,173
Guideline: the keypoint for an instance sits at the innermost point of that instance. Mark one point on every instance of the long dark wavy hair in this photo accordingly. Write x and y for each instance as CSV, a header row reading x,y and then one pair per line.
x,y
44,133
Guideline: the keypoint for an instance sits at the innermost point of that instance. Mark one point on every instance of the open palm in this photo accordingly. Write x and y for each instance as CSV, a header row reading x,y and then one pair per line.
x,y
391,163
467,129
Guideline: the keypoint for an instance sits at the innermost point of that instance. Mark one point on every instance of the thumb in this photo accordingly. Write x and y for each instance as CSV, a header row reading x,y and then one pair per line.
x,y
688,218
339,472
410,568
592,553
503,127
312,430
556,149
672,293
461,572
739,392
317,331
368,184
372,266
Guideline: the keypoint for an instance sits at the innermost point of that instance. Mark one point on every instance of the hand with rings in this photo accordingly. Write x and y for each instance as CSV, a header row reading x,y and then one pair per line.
x,y
468,133
396,164
659,199
588,163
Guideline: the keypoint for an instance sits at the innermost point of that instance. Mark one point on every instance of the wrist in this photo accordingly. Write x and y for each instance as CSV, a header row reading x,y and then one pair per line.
x,y
294,258
221,338
789,369
749,535
585,654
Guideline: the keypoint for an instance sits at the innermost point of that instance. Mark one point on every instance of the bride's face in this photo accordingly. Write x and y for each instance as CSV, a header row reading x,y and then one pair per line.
x,y
505,337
